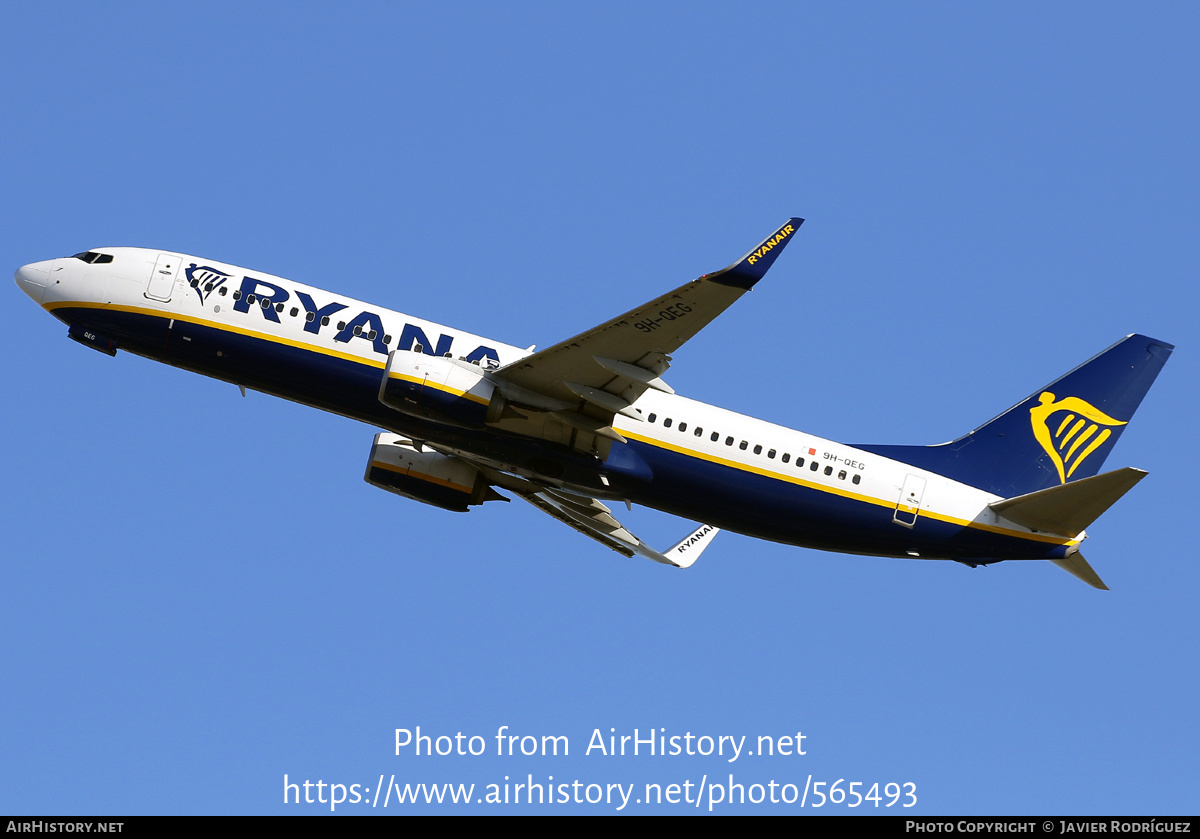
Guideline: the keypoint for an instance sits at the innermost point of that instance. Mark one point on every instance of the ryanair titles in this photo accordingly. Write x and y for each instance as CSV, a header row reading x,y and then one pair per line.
x,y
272,300
766,246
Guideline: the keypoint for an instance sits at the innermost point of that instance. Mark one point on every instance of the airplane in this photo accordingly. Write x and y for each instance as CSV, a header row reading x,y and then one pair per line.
x,y
591,420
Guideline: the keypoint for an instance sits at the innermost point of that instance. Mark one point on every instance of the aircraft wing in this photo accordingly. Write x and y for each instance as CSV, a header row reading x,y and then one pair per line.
x,y
592,518
602,371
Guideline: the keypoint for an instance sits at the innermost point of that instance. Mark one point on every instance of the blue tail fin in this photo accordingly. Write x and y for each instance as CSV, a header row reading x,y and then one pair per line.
x,y
1061,433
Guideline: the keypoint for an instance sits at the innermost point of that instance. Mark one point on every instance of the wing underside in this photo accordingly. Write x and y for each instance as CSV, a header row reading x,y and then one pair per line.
x,y
594,519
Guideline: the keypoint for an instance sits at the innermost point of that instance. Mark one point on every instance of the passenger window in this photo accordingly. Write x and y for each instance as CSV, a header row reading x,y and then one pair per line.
x,y
758,449
237,295
250,298
786,457
265,303
828,470
373,334
652,418
342,325
742,445
667,422
310,317
223,290
729,441
294,311
194,283
842,475
387,339
358,330
799,463
699,431
771,453
207,288
683,426
715,437
814,466
279,308
856,478
325,321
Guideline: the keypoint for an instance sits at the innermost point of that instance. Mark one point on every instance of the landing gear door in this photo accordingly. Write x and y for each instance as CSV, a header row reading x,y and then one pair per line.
x,y
162,280
909,505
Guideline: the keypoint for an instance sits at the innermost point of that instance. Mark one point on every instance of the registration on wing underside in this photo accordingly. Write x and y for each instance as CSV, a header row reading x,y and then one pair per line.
x,y
657,328
660,326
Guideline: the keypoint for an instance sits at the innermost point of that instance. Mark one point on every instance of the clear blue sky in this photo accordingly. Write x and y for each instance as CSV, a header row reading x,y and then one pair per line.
x,y
201,594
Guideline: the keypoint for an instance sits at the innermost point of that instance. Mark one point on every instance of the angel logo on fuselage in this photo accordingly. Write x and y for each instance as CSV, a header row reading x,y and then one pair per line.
x,y
205,280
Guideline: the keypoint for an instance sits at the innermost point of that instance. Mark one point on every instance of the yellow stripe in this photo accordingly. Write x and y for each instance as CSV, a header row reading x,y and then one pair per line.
x,y
266,336
428,478
866,499
650,441
443,388
224,327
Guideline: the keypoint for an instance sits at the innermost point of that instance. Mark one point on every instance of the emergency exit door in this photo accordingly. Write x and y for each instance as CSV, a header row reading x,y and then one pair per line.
x,y
909,505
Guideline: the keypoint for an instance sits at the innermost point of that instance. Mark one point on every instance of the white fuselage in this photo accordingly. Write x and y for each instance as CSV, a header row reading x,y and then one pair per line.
x,y
313,346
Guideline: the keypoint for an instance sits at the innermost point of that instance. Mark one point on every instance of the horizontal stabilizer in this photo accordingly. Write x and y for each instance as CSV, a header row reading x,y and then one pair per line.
x,y
1068,509
1077,566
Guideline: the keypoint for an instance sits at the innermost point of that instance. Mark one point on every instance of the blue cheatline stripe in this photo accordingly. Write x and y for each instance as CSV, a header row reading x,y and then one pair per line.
x,y
794,513
731,496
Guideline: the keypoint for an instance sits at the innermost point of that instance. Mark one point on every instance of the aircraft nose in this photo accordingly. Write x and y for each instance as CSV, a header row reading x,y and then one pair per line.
x,y
33,279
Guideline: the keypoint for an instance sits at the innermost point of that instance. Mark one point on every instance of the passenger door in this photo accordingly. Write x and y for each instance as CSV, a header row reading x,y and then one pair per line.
x,y
162,279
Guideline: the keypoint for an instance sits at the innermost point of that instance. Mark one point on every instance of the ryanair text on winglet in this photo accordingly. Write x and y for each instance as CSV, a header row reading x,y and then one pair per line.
x,y
770,243
698,536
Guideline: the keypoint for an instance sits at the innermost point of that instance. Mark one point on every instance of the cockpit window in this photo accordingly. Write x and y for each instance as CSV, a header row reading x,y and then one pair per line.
x,y
93,258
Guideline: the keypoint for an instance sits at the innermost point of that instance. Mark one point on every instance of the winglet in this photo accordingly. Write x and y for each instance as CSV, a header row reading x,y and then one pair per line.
x,y
686,552
750,268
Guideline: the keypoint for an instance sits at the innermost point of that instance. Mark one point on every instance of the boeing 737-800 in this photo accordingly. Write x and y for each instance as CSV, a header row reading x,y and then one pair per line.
x,y
591,419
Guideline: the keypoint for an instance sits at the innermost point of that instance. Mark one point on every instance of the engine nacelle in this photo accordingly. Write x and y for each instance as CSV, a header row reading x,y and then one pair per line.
x,y
432,478
438,388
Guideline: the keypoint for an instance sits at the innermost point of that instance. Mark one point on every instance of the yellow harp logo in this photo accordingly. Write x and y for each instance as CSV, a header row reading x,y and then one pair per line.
x,y
1074,436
